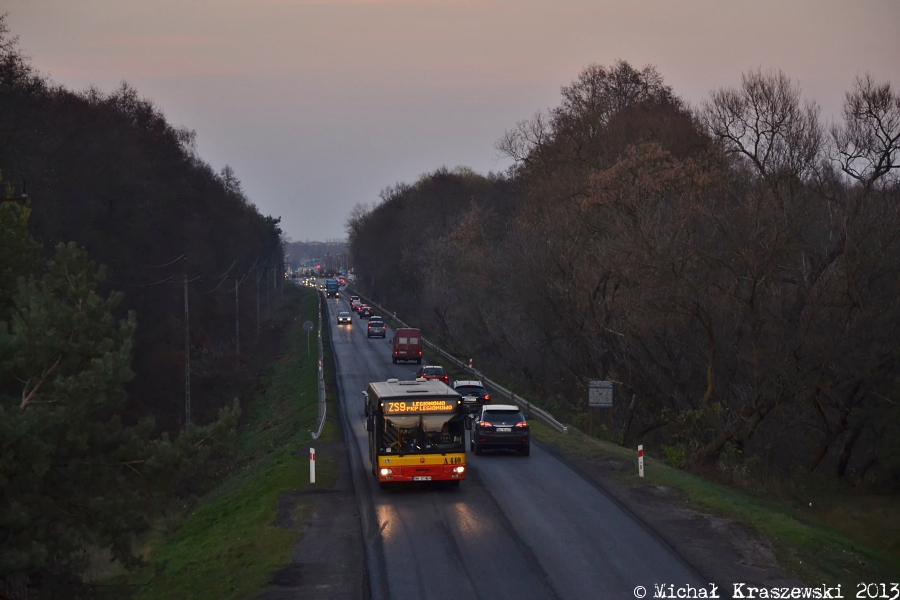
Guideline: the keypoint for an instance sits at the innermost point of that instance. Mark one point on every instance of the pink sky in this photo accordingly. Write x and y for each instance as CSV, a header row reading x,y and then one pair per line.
x,y
319,104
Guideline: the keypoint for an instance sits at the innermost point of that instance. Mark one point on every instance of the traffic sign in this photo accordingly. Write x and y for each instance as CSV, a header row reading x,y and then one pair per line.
x,y
600,394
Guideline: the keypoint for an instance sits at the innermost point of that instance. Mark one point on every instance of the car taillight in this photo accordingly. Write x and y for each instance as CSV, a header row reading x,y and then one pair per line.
x,y
522,424
487,397
420,353
484,424
446,379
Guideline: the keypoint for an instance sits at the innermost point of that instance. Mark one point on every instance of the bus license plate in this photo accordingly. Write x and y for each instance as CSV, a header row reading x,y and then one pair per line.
x,y
504,429
422,478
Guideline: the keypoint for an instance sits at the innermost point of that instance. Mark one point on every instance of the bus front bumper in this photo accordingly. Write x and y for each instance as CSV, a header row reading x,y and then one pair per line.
x,y
422,473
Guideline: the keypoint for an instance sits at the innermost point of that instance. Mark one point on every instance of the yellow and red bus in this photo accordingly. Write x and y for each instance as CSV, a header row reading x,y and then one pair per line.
x,y
416,431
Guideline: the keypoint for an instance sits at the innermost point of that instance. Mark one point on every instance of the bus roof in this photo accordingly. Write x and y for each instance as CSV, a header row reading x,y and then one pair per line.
x,y
412,389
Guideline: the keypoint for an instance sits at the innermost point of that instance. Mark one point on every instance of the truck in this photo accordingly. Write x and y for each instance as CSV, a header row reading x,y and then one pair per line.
x,y
332,288
407,345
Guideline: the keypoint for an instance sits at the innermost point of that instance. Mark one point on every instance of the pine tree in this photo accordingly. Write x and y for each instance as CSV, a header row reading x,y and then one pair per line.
x,y
67,463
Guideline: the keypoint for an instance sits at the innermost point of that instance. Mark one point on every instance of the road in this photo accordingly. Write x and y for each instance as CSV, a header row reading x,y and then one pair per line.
x,y
517,527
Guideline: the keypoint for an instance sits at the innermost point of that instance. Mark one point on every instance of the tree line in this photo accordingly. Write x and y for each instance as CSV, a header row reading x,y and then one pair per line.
x,y
107,211
732,267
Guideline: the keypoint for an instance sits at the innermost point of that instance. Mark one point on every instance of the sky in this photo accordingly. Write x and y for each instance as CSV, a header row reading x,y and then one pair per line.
x,y
320,104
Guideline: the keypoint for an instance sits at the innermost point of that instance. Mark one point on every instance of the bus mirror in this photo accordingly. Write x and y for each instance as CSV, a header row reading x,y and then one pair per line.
x,y
369,425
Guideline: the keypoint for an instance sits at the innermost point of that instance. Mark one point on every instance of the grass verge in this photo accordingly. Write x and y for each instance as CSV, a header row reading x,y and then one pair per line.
x,y
229,545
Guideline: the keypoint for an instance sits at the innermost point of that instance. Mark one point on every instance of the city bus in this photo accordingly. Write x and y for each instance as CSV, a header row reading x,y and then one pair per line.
x,y
416,431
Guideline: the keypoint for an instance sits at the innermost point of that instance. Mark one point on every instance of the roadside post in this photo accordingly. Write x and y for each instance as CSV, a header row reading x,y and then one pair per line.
x,y
312,465
641,460
600,395
307,327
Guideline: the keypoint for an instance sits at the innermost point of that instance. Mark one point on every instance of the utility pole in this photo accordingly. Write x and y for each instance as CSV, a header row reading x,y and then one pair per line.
x,y
187,355
257,302
237,320
187,341
268,298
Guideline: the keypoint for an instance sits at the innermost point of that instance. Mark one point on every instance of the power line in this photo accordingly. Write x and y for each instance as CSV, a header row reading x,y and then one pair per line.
x,y
182,256
142,285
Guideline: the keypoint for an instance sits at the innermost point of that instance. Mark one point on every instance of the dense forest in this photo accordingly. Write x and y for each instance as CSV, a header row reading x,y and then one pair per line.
x,y
115,239
734,268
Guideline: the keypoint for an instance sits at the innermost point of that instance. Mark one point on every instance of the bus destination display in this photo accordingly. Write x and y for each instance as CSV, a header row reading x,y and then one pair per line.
x,y
400,407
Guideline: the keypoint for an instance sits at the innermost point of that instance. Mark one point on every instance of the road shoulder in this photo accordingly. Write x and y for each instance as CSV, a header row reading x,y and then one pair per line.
x,y
329,560
721,549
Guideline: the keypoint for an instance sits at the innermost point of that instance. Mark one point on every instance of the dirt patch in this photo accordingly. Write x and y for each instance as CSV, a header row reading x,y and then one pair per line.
x,y
721,550
288,502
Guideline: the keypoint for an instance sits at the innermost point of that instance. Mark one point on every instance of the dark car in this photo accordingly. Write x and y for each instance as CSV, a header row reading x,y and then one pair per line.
x,y
376,328
365,311
433,372
354,301
500,426
343,317
473,393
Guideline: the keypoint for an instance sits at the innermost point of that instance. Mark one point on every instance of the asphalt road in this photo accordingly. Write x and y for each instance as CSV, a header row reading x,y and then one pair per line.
x,y
517,527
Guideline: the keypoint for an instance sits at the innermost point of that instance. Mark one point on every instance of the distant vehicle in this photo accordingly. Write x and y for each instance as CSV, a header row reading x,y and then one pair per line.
x,y
354,300
416,432
376,328
365,311
474,395
332,288
500,426
433,372
407,345
344,317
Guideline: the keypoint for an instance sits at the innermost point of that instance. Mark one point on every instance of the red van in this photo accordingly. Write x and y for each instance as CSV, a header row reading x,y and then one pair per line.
x,y
407,345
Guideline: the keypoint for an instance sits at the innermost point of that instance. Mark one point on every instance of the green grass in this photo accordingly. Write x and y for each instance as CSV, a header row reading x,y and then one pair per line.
x,y
229,547
804,542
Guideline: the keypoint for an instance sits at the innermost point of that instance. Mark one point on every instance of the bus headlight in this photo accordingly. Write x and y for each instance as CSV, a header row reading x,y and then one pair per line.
x,y
461,469
386,472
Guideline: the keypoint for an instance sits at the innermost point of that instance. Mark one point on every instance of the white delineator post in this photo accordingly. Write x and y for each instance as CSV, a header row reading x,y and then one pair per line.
x,y
641,460
470,363
312,465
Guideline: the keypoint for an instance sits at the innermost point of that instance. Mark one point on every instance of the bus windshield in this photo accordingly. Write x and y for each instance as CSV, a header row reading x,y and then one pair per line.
x,y
421,434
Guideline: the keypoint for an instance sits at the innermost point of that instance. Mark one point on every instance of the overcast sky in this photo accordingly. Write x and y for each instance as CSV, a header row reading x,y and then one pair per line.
x,y
320,104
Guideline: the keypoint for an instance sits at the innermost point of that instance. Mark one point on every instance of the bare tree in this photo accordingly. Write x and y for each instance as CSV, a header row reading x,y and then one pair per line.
x,y
766,122
867,144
